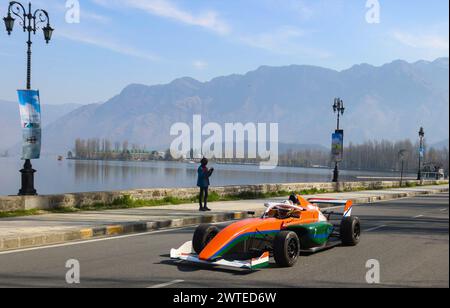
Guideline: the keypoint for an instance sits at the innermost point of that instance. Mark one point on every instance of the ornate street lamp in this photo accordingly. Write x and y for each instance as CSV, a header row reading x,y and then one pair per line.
x,y
421,152
30,21
48,32
339,109
9,23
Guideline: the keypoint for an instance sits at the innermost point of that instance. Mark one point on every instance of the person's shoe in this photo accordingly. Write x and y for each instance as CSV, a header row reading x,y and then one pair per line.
x,y
202,209
207,209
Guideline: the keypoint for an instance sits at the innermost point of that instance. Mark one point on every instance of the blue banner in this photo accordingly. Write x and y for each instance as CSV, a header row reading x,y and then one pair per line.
x,y
338,146
30,116
422,152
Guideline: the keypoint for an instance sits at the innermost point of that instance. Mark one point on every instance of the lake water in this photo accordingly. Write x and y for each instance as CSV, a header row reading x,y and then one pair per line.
x,y
54,177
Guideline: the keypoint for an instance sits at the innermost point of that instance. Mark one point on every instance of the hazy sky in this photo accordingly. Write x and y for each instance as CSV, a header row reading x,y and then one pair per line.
x,y
119,42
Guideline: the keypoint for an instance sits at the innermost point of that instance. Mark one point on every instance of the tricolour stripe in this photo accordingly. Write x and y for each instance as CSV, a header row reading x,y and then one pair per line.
x,y
239,239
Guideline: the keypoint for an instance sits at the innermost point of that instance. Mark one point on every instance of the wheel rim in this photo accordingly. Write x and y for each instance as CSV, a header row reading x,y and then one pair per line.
x,y
292,249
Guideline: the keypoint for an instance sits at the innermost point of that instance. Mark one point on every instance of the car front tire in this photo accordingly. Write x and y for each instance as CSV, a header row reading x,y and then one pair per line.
x,y
203,235
286,249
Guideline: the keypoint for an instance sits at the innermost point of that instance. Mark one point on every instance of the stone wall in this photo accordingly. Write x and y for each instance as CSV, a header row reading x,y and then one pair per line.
x,y
80,200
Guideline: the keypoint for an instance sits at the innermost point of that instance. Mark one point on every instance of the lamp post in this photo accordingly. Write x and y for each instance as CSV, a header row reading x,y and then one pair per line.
x,y
339,109
421,152
30,22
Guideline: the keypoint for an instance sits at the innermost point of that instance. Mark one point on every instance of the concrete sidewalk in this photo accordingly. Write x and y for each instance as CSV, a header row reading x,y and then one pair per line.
x,y
24,232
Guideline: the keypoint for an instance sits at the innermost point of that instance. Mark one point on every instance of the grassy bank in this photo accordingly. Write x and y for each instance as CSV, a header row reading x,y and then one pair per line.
x,y
127,202
20,213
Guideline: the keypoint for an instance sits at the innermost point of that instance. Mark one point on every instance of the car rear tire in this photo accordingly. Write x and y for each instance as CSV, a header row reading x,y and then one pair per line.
x,y
286,248
203,235
350,231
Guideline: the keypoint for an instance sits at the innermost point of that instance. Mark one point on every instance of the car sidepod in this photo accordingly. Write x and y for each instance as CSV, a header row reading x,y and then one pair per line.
x,y
314,234
242,237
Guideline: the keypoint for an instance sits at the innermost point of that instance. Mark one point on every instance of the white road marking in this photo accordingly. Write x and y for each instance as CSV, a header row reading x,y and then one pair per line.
x,y
167,284
418,216
443,210
375,228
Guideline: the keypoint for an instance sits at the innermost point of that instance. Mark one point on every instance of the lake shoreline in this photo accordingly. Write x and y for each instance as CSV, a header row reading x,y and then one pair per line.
x,y
188,162
56,177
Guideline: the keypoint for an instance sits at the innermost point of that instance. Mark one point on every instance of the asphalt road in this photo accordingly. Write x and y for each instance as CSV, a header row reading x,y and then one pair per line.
x,y
409,238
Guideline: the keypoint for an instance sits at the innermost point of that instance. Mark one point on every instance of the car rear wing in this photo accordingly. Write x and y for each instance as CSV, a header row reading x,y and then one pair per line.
x,y
347,204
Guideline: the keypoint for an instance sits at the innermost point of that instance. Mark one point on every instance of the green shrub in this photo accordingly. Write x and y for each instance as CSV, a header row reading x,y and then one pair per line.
x,y
411,184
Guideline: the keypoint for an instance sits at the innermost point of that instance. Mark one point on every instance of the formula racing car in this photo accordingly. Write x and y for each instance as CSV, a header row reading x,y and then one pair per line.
x,y
285,230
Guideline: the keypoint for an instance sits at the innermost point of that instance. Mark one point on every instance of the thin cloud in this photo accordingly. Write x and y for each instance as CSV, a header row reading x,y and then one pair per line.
x,y
200,65
303,10
431,42
111,45
84,14
284,41
63,6
271,40
164,8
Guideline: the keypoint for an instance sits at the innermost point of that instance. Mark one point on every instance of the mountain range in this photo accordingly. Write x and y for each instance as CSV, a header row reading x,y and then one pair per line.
x,y
382,102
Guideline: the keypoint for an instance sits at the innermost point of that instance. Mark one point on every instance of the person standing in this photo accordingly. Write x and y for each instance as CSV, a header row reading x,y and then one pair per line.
x,y
203,183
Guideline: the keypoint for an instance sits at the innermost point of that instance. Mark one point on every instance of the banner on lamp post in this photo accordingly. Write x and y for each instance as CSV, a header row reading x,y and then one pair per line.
x,y
338,146
30,116
422,152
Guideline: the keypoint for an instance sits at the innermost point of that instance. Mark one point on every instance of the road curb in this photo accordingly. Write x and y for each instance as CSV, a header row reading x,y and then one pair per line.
x,y
54,238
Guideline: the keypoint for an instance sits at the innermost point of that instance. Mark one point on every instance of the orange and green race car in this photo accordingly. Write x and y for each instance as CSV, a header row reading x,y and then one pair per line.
x,y
284,231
